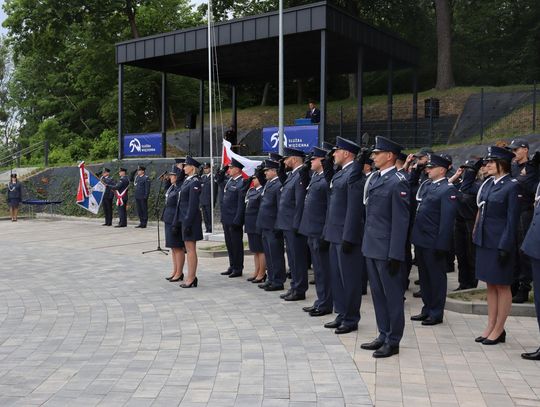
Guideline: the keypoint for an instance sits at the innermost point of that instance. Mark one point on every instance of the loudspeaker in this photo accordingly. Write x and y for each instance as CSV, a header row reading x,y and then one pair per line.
x,y
191,121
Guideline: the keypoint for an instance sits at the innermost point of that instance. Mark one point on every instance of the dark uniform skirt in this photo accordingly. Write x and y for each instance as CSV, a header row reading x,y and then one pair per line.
x,y
255,243
172,240
196,232
14,203
490,270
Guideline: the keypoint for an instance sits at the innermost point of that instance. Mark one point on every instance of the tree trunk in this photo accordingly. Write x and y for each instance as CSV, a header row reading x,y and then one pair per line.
x,y
130,12
171,115
352,86
445,75
266,90
300,99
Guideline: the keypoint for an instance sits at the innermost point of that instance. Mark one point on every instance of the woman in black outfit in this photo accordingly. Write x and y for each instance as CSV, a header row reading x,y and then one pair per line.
x,y
14,197
253,202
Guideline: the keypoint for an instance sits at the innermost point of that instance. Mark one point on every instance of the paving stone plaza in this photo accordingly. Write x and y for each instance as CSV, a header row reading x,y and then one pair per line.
x,y
86,319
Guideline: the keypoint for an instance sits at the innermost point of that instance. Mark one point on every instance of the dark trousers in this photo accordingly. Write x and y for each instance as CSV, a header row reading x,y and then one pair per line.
x,y
275,256
122,215
465,253
346,275
107,210
234,240
142,211
522,271
207,217
297,257
387,292
433,282
535,265
321,270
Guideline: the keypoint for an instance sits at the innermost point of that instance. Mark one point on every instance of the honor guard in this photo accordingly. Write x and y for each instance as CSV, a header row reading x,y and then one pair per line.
x,y
312,225
531,247
121,193
142,192
272,238
526,173
108,196
344,229
432,236
232,218
291,206
206,197
386,196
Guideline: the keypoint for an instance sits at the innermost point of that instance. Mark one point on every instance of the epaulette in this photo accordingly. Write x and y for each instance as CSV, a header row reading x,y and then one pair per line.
x,y
401,176
514,180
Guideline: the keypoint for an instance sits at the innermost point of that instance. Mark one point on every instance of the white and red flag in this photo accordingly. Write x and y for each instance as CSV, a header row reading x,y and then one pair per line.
x,y
228,155
90,190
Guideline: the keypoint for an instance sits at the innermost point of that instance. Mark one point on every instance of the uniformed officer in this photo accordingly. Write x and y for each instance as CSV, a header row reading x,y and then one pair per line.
x,y
108,196
312,224
432,236
232,218
142,192
526,173
531,247
272,238
173,226
252,206
289,215
14,196
386,196
121,193
206,197
495,237
189,215
344,229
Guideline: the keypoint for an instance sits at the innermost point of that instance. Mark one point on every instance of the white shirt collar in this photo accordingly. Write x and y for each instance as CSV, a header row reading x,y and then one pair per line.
x,y
296,168
437,181
496,180
259,187
346,165
238,176
273,179
387,170
190,176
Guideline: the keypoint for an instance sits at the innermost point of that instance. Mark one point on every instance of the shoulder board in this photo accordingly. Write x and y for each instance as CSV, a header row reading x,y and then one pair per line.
x,y
400,176
514,180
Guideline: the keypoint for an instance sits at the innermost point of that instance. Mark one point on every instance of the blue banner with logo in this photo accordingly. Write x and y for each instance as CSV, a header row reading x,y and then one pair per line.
x,y
298,137
142,145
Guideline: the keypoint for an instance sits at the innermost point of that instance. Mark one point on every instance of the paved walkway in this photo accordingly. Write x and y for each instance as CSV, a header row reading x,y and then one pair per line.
x,y
85,319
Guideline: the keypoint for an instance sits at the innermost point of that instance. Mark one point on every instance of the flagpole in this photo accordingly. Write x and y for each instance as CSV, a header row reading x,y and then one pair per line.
x,y
209,17
281,80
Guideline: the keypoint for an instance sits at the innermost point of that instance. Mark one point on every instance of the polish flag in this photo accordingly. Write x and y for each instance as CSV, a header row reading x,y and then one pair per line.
x,y
228,155
83,191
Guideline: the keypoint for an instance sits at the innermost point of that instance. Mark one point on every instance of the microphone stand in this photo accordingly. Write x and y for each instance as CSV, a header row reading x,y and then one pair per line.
x,y
156,212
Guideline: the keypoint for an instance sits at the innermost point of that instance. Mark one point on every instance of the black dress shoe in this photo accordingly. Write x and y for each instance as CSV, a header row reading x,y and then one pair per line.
x,y
261,280
294,296
319,313
251,278
138,226
309,309
417,294
194,283
226,273
120,226
419,317
273,287
168,278
531,355
235,274
333,324
432,321
285,294
143,227
501,339
265,285
177,279
373,345
386,351
479,339
344,329
105,224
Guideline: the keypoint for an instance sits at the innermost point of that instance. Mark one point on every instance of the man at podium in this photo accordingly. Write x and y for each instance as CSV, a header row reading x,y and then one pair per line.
x,y
313,113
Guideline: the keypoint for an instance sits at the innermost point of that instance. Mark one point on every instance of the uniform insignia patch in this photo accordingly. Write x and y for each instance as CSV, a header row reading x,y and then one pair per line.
x,y
403,193
453,197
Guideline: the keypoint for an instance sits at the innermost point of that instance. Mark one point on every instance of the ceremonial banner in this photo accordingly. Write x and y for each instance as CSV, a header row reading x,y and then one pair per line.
x,y
228,154
90,190
302,138
141,145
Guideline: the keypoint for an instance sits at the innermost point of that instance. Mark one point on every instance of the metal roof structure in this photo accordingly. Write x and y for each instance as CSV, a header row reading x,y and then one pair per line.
x,y
247,48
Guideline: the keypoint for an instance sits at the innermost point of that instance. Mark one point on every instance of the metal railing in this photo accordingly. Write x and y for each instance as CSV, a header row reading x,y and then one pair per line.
x,y
14,156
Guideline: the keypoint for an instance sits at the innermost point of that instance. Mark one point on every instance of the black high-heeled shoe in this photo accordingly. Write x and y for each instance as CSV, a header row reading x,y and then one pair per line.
x,y
251,278
479,339
501,339
177,279
193,284
260,280
169,278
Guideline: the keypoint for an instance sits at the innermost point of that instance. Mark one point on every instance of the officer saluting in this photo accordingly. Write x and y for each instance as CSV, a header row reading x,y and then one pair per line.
x,y
312,226
386,196
344,229
121,193
142,192
432,236
108,196
232,218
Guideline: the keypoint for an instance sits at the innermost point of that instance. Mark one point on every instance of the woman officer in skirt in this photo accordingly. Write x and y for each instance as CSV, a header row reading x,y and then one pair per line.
x,y
14,197
253,202
173,228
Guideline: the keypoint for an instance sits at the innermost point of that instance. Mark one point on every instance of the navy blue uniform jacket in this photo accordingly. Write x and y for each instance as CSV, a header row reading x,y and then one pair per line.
x,y
232,206
266,219
315,207
253,203
291,202
188,212
206,190
171,204
142,187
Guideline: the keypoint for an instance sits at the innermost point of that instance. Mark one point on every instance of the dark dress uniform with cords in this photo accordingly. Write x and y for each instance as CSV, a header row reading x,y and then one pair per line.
x,y
344,230
188,209
14,194
432,236
386,197
272,238
289,215
108,197
531,247
312,225
173,226
142,192
121,193
253,203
